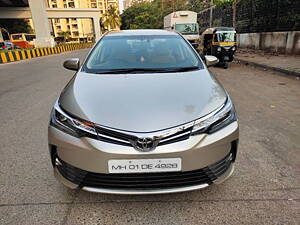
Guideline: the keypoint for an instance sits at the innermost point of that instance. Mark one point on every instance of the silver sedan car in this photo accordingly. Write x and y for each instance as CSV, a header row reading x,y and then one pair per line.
x,y
143,115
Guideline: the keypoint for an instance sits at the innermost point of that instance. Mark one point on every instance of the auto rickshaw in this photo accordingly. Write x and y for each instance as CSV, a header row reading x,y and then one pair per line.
x,y
219,42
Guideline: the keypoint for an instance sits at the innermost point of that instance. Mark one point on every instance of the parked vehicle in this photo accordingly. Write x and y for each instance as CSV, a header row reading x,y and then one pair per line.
x,y
219,42
7,45
184,22
4,38
23,40
142,115
59,40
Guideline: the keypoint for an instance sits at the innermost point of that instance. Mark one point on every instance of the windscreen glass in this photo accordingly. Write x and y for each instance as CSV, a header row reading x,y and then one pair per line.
x,y
142,52
29,37
225,37
17,37
187,28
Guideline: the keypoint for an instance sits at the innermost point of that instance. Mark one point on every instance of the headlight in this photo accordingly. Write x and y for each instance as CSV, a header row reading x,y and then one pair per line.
x,y
233,48
219,49
75,127
212,123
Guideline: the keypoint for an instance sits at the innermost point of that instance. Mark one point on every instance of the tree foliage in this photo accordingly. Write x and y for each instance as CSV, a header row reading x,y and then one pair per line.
x,y
16,26
111,18
65,34
198,5
233,4
143,15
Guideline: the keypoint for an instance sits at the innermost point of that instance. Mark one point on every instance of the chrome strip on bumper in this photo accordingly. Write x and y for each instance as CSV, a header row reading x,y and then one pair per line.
x,y
144,192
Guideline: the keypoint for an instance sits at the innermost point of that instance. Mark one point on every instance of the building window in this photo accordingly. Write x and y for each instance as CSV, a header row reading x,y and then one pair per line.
x,y
93,5
71,4
75,33
54,5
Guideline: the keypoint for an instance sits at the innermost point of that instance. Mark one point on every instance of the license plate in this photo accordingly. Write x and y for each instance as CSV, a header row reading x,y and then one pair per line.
x,y
144,165
226,58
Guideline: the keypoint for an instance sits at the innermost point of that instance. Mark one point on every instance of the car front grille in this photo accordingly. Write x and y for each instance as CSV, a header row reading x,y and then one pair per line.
x,y
144,181
127,138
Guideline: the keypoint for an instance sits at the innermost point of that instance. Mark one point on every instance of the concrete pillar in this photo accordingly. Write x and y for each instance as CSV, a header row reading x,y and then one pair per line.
x,y
290,42
41,24
97,29
256,41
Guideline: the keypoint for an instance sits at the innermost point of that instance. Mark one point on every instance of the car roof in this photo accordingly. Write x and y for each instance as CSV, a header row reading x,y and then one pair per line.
x,y
140,32
212,30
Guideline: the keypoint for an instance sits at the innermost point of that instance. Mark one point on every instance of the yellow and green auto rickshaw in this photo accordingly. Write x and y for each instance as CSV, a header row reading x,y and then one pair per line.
x,y
219,42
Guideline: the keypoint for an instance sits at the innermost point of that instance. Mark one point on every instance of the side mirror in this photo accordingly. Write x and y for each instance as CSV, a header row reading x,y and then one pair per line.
x,y
72,64
211,60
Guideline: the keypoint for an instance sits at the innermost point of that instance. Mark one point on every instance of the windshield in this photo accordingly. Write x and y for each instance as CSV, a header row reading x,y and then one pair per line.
x,y
29,37
17,37
187,28
225,37
138,52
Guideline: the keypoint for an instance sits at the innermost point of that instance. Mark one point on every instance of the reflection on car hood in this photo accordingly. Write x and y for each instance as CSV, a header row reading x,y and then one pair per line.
x,y
142,102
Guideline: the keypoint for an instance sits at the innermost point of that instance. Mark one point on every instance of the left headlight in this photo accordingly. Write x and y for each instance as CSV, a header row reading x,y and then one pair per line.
x,y
75,127
216,121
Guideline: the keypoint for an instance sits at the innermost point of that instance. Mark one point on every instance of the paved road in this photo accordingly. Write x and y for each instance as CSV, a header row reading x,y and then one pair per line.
x,y
265,188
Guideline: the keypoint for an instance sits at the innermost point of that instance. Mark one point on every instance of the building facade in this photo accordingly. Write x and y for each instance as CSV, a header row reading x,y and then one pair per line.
x,y
80,30
127,4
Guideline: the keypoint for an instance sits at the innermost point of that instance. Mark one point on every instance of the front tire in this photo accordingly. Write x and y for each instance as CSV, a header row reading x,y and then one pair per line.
x,y
225,65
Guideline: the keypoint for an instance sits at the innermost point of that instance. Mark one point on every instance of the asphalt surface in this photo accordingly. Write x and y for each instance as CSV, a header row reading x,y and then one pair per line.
x,y
265,187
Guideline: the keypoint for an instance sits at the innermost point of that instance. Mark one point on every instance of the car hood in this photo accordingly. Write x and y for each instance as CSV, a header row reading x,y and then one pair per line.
x,y
142,102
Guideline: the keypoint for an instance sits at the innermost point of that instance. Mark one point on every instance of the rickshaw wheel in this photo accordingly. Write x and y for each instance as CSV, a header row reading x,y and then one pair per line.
x,y
225,65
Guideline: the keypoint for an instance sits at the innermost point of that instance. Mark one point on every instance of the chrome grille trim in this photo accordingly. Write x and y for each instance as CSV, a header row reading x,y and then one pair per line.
x,y
127,138
176,136
167,136
112,138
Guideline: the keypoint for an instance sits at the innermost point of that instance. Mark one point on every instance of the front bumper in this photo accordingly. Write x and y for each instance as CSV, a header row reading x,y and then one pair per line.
x,y
159,183
86,158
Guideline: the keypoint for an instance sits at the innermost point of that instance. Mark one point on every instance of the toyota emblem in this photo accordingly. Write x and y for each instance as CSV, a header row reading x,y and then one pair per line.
x,y
145,144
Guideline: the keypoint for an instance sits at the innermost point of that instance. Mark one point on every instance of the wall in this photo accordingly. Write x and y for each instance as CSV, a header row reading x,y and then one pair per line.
x,y
283,42
254,16
269,25
21,54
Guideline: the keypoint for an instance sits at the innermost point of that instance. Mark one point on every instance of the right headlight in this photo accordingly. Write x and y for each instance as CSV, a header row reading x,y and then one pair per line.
x,y
73,126
216,121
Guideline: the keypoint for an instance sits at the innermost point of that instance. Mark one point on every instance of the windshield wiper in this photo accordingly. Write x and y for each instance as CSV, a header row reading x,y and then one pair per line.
x,y
130,70
151,70
183,69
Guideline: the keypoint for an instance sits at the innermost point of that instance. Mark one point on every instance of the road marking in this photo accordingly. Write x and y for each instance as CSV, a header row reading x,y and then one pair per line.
x,y
23,54
28,54
17,55
11,57
3,57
